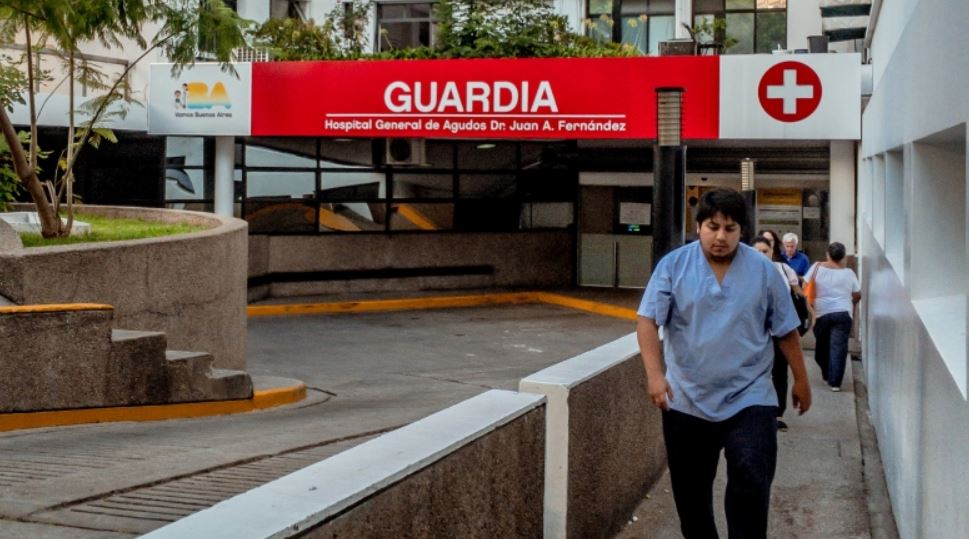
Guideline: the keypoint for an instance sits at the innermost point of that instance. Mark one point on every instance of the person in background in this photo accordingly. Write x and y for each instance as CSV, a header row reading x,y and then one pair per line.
x,y
836,292
774,239
719,302
779,371
795,258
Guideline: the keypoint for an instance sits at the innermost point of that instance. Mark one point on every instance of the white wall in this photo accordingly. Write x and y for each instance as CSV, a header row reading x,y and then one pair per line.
x,y
574,10
54,113
803,20
842,194
914,312
319,9
255,10
893,17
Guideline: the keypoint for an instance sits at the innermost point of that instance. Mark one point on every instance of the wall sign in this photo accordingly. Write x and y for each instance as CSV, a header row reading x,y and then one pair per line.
x,y
801,96
729,97
560,98
201,100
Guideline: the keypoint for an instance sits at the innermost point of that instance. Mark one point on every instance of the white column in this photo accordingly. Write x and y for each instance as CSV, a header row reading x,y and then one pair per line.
x,y
574,11
256,10
683,14
224,167
841,195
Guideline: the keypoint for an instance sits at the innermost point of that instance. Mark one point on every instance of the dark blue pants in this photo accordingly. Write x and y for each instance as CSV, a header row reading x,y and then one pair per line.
x,y
749,442
831,332
778,375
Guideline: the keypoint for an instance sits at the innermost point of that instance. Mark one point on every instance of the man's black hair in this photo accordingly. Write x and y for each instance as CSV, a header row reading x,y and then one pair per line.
x,y
836,250
725,201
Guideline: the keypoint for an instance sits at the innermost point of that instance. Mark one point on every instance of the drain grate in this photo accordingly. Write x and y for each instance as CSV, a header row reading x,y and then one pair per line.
x,y
50,462
144,509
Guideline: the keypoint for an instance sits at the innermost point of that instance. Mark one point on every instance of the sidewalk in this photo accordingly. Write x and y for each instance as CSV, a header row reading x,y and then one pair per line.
x,y
819,488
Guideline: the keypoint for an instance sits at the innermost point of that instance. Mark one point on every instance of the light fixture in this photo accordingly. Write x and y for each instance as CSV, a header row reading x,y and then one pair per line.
x,y
343,140
669,116
486,146
746,174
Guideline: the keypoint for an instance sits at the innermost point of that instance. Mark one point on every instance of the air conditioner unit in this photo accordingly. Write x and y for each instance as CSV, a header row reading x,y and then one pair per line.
x,y
677,47
404,151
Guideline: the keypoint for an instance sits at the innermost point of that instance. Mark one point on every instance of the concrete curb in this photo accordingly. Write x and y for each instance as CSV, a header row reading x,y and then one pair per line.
x,y
262,399
880,514
54,308
296,503
441,302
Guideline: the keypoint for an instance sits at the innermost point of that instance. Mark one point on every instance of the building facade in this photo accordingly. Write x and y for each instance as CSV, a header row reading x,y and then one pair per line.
x,y
580,195
912,230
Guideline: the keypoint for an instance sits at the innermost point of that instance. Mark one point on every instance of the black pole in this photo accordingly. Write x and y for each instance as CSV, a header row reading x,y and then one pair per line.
x,y
669,177
750,198
669,174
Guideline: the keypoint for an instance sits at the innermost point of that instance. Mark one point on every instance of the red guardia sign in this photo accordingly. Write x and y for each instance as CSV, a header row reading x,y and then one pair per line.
x,y
560,98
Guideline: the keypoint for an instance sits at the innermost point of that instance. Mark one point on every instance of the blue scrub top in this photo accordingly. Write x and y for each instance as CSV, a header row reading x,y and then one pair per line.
x,y
717,336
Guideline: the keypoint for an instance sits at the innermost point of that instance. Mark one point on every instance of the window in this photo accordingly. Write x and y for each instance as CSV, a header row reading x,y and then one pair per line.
x,y
939,275
895,209
642,23
309,186
751,26
293,9
189,181
402,25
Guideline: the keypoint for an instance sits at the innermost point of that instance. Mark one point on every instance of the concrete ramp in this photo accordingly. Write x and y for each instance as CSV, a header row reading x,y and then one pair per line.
x,y
471,470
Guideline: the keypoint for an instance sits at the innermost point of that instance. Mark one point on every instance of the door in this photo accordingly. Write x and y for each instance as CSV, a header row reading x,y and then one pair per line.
x,y
614,236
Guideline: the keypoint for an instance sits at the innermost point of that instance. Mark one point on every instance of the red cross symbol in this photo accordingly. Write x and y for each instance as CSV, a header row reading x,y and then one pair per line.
x,y
789,91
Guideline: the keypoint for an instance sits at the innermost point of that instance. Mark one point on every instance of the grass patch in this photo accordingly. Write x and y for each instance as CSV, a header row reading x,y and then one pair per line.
x,y
111,229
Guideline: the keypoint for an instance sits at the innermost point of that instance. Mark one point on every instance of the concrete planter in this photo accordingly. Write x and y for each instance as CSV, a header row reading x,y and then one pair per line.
x,y
190,286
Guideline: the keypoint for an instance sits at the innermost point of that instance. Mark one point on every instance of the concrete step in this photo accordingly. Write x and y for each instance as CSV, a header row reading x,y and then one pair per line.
x,y
187,375
228,384
197,362
137,369
139,345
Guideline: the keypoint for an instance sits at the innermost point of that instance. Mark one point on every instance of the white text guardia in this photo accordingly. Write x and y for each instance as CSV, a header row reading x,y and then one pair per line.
x,y
471,97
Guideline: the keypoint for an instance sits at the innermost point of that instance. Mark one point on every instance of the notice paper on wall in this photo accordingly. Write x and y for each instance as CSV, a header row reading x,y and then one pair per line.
x,y
635,213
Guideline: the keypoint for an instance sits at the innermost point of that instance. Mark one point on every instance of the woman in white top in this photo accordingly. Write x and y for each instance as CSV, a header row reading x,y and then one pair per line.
x,y
836,293
772,251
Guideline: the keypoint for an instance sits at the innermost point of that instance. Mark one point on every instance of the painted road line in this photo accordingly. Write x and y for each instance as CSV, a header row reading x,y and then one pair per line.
x,y
442,302
586,305
261,400
404,304
54,307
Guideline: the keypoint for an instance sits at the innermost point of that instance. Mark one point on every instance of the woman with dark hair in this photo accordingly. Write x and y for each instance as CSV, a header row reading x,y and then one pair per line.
x,y
779,370
775,243
836,293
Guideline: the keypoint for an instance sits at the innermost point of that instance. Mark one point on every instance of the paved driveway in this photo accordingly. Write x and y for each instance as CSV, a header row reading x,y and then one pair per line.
x,y
369,373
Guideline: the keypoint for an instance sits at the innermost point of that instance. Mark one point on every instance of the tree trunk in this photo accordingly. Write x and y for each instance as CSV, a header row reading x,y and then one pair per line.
x,y
50,224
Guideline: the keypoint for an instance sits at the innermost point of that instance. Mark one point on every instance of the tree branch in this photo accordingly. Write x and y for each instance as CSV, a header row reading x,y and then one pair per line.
x,y
28,176
103,105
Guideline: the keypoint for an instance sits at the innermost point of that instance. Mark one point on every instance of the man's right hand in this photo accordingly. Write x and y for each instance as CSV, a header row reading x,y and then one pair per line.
x,y
801,396
659,392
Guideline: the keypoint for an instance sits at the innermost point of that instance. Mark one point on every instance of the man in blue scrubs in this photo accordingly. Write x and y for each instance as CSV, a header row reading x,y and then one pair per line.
x,y
719,302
